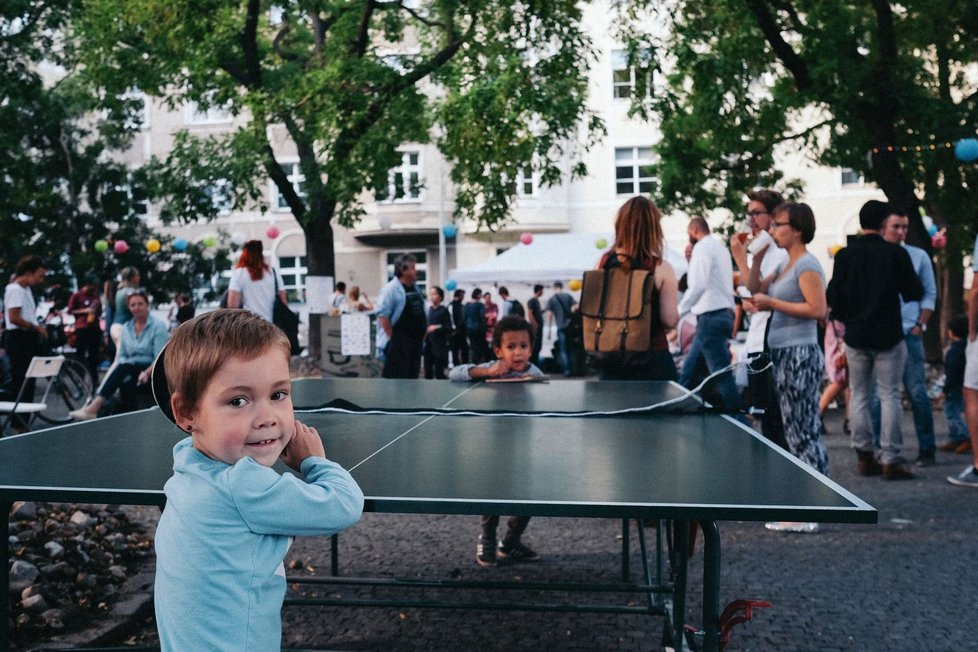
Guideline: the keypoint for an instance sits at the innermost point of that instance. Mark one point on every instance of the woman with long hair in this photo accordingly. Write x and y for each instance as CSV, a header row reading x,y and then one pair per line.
x,y
639,244
253,282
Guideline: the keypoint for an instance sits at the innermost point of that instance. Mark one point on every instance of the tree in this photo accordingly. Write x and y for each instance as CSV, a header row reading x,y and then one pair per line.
x,y
64,187
498,86
874,86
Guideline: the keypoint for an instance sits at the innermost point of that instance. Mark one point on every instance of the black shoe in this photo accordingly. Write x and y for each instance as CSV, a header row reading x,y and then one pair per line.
x,y
897,471
485,552
516,552
926,458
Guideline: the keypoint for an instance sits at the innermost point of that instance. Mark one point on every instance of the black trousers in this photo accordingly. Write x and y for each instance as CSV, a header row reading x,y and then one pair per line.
x,y
514,527
21,347
402,357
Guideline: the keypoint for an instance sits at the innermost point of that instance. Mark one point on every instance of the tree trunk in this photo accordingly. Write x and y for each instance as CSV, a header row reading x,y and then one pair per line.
x,y
320,261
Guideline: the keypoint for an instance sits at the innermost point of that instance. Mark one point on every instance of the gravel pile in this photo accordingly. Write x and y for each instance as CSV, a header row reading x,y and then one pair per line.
x,y
68,565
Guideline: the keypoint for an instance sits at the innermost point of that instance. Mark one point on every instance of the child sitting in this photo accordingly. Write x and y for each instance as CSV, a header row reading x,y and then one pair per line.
x,y
229,518
957,431
512,342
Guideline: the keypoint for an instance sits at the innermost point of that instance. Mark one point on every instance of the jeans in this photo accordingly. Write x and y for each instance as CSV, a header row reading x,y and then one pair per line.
x,y
915,381
713,329
957,430
563,348
888,366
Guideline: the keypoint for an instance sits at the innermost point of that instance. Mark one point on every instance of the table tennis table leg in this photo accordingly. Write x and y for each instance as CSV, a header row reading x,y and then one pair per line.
x,y
711,585
5,576
334,555
625,545
680,556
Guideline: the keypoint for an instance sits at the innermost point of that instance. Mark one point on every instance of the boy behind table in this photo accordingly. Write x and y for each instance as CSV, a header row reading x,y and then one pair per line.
x,y
229,518
954,364
512,342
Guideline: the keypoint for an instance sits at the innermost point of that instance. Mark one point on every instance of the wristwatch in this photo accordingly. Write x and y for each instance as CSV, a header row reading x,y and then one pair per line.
x,y
922,327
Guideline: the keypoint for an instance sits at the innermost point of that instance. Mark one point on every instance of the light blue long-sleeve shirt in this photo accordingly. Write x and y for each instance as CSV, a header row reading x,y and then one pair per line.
x,y
390,304
221,541
922,265
143,348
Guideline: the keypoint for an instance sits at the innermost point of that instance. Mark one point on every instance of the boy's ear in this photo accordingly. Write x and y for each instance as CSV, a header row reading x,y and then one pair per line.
x,y
181,415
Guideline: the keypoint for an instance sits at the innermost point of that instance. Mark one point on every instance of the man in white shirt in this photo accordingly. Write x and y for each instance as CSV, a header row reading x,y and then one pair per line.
x,y
709,296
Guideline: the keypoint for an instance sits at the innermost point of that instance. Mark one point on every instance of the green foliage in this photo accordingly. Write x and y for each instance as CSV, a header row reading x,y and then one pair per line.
x,y
832,79
64,187
501,84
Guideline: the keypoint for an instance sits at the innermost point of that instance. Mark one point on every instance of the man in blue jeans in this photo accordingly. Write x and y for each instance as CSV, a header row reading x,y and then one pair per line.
x,y
915,316
709,295
560,305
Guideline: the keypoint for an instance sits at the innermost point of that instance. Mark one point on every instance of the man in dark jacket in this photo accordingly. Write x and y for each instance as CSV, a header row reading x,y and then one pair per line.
x,y
868,280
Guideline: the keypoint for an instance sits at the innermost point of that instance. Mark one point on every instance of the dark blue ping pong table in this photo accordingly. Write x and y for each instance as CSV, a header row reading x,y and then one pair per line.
x,y
487,448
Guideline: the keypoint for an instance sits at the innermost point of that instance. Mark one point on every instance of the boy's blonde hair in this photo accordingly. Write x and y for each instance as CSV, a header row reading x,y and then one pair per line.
x,y
198,348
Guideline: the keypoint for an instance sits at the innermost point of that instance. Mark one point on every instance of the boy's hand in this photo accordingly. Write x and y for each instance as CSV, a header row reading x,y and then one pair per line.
x,y
499,368
304,443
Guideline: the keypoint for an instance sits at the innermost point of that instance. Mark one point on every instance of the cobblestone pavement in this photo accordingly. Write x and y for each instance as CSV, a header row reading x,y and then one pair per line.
x,y
900,585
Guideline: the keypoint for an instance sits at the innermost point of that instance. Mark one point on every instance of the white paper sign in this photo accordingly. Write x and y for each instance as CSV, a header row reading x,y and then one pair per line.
x,y
355,334
319,292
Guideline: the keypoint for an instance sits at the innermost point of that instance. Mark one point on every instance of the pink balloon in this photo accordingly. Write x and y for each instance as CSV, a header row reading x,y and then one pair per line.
x,y
120,247
272,232
938,240
526,237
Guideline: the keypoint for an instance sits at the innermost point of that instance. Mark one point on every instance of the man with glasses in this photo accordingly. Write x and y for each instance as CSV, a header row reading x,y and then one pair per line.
x,y
869,278
915,315
760,204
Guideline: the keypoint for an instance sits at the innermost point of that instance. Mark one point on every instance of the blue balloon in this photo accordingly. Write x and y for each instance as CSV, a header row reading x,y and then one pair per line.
x,y
932,230
450,230
966,150
180,244
450,285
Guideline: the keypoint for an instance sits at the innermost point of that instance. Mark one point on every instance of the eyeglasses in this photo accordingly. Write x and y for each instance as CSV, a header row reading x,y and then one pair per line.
x,y
780,223
756,213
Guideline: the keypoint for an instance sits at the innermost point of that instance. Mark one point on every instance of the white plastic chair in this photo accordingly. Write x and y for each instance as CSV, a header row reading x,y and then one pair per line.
x,y
40,367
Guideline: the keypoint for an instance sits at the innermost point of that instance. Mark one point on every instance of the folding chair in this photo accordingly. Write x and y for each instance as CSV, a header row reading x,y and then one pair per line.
x,y
40,367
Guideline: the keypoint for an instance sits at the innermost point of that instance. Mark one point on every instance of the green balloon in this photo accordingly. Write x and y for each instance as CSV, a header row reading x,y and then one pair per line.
x,y
101,246
601,244
210,241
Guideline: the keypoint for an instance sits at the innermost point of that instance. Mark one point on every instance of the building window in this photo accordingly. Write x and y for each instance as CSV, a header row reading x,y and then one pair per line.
x,y
625,77
850,177
293,270
404,181
197,115
137,111
633,171
219,193
294,174
421,266
526,183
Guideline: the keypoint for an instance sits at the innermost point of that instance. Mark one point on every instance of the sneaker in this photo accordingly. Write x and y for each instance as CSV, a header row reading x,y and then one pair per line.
x,y
967,478
82,414
516,552
485,552
791,526
926,458
963,448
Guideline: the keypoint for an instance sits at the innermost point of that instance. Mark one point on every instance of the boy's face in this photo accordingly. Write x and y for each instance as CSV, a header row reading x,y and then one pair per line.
x,y
246,410
515,350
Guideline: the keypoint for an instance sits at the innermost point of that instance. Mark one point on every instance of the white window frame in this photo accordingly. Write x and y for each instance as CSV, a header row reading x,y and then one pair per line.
x,y
220,196
620,88
405,170
212,115
293,173
849,172
633,158
527,182
300,270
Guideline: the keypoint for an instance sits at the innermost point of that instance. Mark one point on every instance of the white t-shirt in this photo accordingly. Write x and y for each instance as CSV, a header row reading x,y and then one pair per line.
x,y
17,296
256,296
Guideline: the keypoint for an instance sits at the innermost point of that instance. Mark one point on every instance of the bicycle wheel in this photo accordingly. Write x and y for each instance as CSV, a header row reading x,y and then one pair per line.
x,y
70,390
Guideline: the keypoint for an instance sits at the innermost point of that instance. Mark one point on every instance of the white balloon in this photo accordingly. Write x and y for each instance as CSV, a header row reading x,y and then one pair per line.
x,y
384,221
238,238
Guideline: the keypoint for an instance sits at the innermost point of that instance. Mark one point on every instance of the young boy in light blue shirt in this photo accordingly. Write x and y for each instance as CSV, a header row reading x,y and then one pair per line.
x,y
230,518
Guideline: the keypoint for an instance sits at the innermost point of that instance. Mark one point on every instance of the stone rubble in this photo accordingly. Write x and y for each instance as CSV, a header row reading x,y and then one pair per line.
x,y
67,564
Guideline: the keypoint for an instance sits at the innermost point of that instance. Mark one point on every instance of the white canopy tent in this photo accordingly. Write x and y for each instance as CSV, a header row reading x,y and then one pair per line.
x,y
550,257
